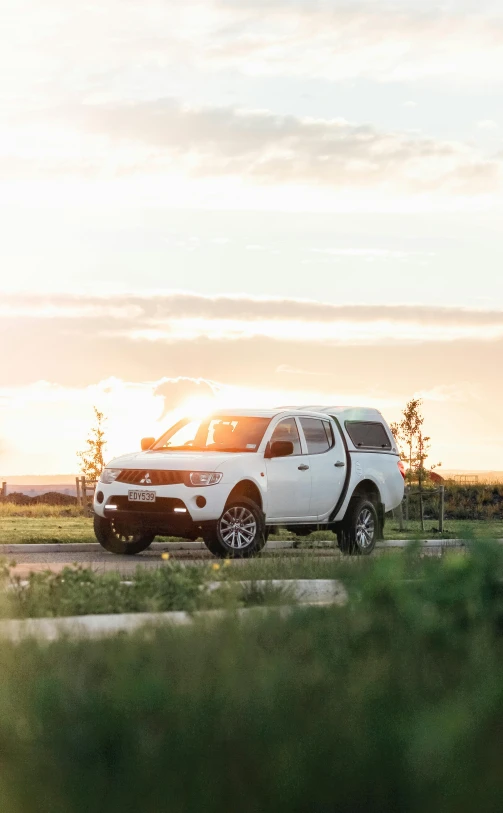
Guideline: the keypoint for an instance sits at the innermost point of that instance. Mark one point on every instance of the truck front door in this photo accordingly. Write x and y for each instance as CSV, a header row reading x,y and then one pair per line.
x,y
288,478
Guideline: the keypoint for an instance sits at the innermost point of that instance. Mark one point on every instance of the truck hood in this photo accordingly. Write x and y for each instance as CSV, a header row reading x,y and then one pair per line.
x,y
175,461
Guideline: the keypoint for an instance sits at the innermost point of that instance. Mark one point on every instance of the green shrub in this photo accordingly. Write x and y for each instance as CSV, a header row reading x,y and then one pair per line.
x,y
83,591
394,702
476,502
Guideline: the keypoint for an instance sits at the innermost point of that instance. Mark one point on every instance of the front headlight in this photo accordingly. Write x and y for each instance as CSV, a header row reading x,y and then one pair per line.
x,y
107,476
205,478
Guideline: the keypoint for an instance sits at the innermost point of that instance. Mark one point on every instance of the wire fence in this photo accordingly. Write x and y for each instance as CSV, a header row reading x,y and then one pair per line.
x,y
428,496
85,491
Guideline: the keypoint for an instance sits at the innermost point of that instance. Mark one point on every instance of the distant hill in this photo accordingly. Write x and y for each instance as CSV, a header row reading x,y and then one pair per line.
x,y
34,490
33,485
38,479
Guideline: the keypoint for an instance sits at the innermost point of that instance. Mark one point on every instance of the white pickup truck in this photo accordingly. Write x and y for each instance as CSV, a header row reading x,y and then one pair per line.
x,y
233,475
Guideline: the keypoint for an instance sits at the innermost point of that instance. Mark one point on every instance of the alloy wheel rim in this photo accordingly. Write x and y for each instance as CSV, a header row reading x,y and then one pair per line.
x,y
126,539
365,528
238,527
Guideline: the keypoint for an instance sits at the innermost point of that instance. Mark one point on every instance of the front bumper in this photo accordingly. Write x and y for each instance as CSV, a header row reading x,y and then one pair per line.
x,y
175,507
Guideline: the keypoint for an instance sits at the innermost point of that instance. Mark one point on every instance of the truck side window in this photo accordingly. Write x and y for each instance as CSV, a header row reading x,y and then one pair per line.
x,y
368,434
287,430
330,434
315,434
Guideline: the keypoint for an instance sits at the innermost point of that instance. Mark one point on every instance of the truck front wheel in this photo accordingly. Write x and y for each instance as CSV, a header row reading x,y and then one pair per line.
x,y
240,531
113,535
359,530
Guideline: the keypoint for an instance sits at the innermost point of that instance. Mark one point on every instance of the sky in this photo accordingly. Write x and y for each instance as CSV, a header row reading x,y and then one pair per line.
x,y
235,203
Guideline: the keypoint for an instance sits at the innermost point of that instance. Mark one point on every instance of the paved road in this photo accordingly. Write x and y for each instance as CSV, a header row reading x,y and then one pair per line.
x,y
29,558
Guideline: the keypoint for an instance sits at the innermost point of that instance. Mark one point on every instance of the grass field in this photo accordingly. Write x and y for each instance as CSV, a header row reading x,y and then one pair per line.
x,y
45,524
14,530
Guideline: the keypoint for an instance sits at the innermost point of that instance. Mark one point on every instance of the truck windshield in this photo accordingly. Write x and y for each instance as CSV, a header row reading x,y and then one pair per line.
x,y
226,433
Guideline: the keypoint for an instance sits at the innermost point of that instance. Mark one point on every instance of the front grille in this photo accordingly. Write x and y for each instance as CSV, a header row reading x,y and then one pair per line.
x,y
149,477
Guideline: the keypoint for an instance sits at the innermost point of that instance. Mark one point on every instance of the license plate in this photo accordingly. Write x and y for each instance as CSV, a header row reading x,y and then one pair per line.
x,y
141,496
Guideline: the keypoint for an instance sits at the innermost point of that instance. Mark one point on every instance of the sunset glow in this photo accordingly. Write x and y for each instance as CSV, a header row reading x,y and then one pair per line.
x,y
206,206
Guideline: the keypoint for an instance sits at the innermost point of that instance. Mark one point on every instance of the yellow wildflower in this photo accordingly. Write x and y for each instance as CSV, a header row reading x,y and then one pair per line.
x,y
215,566
165,556
227,562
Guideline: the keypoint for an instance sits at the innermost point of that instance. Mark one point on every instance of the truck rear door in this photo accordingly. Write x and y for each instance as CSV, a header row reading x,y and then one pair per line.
x,y
326,457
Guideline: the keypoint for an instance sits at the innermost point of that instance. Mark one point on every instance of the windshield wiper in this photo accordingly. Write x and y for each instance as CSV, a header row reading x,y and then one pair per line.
x,y
201,449
180,449
231,449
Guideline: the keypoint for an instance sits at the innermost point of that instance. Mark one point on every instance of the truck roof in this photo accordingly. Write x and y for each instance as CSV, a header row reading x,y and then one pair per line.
x,y
347,413
258,413
344,413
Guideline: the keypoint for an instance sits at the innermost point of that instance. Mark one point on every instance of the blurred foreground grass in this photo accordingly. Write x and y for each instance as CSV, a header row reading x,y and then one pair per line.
x,y
391,703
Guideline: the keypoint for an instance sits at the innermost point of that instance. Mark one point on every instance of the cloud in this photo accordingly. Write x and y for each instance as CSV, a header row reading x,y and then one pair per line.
x,y
442,393
487,124
287,368
162,136
277,346
175,391
133,312
371,253
115,49
387,41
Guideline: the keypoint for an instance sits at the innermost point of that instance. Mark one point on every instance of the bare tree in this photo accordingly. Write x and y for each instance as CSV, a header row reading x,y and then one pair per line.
x,y
91,459
406,434
414,447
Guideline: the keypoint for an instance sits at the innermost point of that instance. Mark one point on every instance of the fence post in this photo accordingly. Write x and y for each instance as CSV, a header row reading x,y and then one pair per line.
x,y
398,512
77,486
83,491
406,503
4,490
441,510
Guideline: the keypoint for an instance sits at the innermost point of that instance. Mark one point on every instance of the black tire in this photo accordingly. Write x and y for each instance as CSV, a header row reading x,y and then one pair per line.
x,y
246,539
359,530
117,539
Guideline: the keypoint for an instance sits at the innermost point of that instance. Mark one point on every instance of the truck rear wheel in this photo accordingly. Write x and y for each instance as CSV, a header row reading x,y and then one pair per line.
x,y
359,530
113,535
239,533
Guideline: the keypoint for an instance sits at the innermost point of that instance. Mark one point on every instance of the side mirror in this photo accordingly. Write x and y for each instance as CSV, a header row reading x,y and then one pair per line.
x,y
146,443
281,448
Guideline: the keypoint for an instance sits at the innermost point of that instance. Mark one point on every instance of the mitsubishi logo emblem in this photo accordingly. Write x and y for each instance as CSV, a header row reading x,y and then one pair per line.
x,y
146,480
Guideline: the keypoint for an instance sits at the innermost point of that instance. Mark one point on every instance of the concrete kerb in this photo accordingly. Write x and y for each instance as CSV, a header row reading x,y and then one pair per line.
x,y
160,547
93,547
97,626
301,591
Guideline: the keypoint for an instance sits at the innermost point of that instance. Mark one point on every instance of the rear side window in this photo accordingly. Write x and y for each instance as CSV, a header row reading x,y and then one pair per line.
x,y
318,434
368,434
329,433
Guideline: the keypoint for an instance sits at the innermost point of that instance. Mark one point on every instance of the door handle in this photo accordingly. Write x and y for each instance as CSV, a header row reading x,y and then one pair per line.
x,y
339,464
303,467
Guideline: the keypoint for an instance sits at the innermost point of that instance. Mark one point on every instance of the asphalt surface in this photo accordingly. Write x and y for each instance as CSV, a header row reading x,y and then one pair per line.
x,y
101,560
29,558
